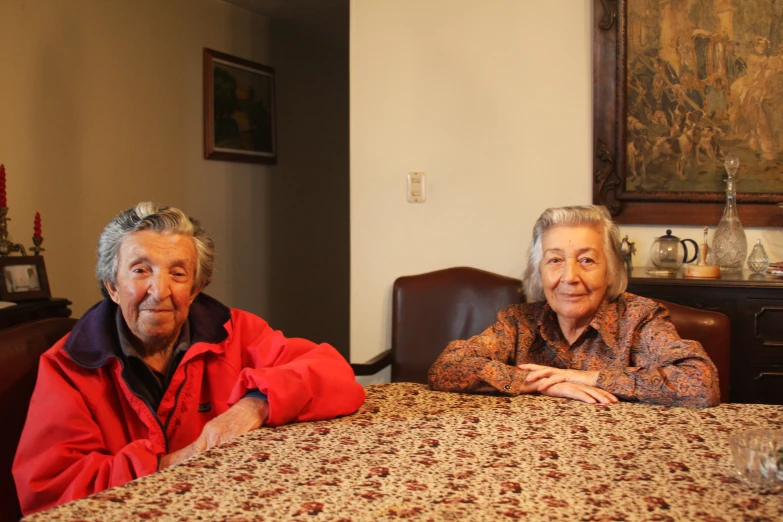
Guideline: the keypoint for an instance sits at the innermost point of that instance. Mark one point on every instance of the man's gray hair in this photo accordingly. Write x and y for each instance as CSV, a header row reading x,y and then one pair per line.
x,y
594,216
157,218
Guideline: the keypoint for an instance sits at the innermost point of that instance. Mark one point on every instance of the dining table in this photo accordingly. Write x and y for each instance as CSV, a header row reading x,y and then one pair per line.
x,y
416,454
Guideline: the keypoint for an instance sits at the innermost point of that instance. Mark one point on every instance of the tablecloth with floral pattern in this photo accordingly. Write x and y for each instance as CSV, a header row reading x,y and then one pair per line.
x,y
411,453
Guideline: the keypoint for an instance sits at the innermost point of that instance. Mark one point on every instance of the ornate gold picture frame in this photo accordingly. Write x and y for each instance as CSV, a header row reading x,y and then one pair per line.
x,y
677,85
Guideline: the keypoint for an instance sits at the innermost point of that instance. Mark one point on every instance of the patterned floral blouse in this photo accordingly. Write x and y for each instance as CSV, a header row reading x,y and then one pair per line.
x,y
630,341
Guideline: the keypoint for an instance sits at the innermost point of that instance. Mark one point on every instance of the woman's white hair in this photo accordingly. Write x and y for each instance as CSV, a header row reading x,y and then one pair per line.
x,y
594,216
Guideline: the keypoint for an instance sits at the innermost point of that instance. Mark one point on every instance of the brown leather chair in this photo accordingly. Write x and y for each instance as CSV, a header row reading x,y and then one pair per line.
x,y
20,348
461,301
713,331
431,309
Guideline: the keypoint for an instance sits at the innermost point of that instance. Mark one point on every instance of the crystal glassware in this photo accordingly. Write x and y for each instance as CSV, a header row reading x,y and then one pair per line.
x,y
758,261
758,458
729,243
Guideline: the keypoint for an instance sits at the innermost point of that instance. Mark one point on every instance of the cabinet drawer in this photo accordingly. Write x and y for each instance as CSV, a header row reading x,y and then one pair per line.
x,y
763,384
704,299
763,326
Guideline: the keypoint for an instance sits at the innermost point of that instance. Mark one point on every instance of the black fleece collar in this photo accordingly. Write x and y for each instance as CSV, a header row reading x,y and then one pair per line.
x,y
94,338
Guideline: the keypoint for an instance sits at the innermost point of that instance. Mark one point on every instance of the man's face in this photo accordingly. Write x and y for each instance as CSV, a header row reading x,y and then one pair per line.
x,y
155,285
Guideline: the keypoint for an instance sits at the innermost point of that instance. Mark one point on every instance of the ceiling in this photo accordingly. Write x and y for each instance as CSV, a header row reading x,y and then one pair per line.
x,y
322,18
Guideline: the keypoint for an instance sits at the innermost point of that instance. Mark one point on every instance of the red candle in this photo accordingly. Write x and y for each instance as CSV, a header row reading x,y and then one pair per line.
x,y
2,186
37,226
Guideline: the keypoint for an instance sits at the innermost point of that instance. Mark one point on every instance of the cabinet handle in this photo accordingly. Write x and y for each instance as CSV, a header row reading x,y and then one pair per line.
x,y
767,374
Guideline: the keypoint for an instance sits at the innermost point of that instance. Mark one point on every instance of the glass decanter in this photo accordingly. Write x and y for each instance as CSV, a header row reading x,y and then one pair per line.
x,y
758,261
729,243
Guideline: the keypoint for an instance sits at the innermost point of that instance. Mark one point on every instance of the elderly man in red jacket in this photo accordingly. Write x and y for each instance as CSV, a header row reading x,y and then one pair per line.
x,y
158,371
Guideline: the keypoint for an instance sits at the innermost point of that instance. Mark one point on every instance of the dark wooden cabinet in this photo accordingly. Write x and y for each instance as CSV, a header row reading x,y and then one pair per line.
x,y
25,311
754,305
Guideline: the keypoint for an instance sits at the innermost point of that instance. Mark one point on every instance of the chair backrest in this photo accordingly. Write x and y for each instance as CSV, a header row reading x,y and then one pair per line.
x,y
20,348
713,331
430,310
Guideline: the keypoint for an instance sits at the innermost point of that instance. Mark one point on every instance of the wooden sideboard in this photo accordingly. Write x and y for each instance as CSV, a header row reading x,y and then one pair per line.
x,y
25,311
754,305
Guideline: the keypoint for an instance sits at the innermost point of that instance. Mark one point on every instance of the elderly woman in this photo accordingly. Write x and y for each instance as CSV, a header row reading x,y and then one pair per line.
x,y
580,336
158,371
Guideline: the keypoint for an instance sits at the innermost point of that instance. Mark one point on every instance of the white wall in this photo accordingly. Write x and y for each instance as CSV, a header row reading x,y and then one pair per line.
x,y
490,100
493,101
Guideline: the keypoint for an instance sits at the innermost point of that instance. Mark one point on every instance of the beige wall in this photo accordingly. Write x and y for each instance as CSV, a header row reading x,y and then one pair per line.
x,y
101,107
493,101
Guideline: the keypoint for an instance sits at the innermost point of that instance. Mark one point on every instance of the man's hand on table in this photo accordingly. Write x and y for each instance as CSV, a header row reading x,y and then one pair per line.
x,y
249,413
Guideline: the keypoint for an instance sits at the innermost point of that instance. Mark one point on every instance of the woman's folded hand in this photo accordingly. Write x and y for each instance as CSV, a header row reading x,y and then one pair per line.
x,y
580,392
546,376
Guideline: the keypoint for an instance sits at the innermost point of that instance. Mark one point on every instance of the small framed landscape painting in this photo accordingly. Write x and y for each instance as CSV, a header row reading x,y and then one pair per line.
x,y
239,109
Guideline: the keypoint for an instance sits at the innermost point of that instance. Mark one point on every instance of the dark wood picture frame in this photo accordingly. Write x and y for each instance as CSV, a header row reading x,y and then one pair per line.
x,y
239,109
610,145
17,271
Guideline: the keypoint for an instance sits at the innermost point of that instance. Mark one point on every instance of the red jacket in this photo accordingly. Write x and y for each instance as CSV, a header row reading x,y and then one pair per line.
x,y
87,431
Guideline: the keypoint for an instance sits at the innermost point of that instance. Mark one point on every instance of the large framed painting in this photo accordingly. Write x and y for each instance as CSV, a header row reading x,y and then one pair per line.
x,y
677,86
239,109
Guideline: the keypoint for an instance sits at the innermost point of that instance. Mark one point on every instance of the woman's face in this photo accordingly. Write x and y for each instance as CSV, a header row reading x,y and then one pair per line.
x,y
573,271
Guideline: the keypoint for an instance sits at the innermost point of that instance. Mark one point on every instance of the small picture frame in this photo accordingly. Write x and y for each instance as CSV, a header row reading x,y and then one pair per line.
x,y
24,278
239,109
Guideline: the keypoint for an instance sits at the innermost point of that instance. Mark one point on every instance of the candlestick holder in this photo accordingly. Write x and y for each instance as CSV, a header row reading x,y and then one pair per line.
x,y
37,248
6,246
